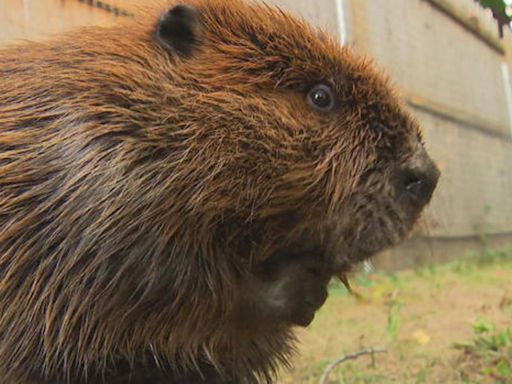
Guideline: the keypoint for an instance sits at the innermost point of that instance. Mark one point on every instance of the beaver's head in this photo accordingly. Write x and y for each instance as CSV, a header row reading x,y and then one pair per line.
x,y
305,146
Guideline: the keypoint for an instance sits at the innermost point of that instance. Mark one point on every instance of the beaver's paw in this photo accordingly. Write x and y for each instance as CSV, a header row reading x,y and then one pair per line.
x,y
288,289
300,289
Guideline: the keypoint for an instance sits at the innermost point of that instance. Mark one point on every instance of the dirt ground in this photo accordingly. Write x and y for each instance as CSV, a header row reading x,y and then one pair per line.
x,y
417,316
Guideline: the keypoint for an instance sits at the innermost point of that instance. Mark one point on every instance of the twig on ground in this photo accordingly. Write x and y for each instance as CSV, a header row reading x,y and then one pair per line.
x,y
352,356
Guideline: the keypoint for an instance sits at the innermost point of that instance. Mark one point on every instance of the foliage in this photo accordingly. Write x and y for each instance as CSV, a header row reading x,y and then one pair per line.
x,y
393,316
499,10
491,349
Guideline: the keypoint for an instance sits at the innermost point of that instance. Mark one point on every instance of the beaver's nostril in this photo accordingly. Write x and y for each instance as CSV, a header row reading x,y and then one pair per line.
x,y
419,179
418,186
413,184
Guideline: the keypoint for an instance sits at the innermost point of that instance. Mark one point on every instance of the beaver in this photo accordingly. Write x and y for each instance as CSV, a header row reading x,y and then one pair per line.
x,y
177,191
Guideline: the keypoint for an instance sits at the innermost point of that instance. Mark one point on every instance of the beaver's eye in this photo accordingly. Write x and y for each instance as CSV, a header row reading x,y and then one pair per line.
x,y
321,97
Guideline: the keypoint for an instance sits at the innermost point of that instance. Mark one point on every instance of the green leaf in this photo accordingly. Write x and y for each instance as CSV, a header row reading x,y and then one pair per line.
x,y
504,369
482,326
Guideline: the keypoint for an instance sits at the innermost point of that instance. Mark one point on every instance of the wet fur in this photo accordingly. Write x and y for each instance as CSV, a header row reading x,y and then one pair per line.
x,y
142,191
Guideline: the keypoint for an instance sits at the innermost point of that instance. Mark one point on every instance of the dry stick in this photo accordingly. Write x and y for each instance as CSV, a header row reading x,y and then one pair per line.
x,y
353,356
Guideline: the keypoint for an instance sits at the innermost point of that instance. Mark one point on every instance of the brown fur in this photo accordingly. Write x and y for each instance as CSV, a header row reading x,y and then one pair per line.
x,y
141,191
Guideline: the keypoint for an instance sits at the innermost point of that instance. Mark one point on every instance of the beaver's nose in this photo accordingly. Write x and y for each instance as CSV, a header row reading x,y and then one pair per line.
x,y
418,178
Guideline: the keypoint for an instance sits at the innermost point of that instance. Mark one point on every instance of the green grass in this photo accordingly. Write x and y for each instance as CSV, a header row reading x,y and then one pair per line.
x,y
393,323
490,350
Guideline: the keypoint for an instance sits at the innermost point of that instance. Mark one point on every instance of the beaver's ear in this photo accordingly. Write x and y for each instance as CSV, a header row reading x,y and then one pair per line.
x,y
178,29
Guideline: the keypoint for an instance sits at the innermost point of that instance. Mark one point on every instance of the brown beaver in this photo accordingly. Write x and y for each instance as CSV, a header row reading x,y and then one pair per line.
x,y
177,191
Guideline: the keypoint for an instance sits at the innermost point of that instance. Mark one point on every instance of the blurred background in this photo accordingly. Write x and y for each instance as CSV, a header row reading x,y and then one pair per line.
x,y
441,303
